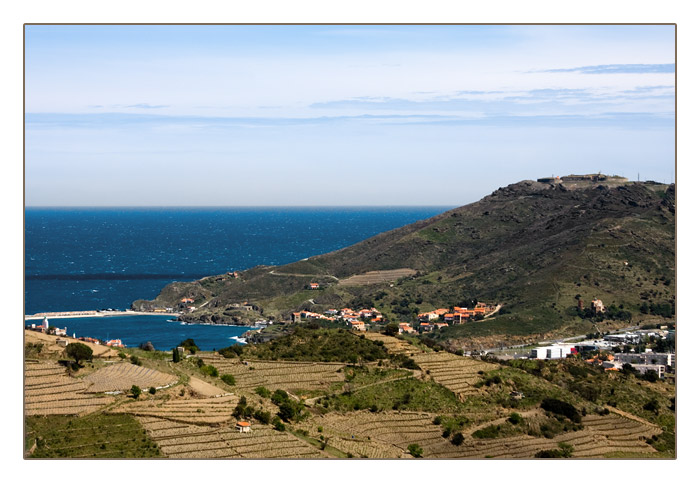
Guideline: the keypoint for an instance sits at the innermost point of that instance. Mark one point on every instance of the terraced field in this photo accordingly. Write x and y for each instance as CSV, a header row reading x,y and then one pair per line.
x,y
392,344
208,411
48,390
388,434
120,377
458,374
377,276
619,434
181,440
292,376
380,435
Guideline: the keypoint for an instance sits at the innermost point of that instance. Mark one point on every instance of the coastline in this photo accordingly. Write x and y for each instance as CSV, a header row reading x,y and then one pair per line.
x,y
92,313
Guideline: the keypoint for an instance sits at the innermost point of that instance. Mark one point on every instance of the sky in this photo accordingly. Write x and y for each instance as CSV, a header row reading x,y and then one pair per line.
x,y
309,115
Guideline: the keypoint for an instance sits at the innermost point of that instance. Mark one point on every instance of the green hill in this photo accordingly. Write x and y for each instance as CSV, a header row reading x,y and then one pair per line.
x,y
531,246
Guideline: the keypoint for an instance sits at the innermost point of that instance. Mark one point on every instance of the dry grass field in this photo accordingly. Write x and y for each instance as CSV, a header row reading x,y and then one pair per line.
x,y
211,411
290,376
121,376
378,276
181,440
48,390
392,344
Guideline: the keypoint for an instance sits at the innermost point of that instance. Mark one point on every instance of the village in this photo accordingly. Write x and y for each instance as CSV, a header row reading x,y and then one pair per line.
x,y
427,322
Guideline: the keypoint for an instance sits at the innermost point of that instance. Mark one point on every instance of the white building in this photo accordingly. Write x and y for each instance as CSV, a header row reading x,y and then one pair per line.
x,y
559,351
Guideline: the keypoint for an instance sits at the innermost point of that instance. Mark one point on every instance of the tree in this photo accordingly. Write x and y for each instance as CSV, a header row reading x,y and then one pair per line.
x,y
176,355
135,391
415,450
79,352
152,390
391,329
457,439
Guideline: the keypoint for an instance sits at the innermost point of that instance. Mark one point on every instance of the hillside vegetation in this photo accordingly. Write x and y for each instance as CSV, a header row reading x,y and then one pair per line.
x,y
532,247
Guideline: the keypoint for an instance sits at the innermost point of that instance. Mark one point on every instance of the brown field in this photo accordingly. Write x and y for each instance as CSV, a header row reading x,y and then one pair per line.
x,y
378,276
388,434
456,373
204,388
181,440
291,376
121,376
392,344
206,411
48,390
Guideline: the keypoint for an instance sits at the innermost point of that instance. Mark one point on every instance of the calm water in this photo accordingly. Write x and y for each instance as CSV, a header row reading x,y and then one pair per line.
x,y
88,259
164,335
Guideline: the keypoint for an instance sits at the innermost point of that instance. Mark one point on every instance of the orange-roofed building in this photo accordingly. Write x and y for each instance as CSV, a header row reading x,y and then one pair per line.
x,y
404,327
314,286
243,427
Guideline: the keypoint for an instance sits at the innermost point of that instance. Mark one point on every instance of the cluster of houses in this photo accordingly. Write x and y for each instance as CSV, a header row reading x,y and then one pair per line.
x,y
428,321
45,328
355,319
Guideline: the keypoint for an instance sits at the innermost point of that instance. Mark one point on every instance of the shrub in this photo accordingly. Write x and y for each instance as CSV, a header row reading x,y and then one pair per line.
x,y
228,379
135,391
209,371
415,450
457,439
515,418
262,391
135,360
262,416
278,424
152,390
488,432
233,351
561,407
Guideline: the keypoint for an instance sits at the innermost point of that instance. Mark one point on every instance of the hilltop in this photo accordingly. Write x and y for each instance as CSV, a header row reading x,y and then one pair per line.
x,y
535,247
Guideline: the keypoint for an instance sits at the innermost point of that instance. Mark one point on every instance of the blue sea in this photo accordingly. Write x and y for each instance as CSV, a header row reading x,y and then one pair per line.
x,y
99,258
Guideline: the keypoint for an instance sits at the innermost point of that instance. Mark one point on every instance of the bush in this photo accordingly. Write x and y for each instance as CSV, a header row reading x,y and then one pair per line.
x,y
561,407
135,391
488,432
228,379
262,416
233,351
515,418
189,345
152,390
262,391
209,371
278,424
457,439
135,360
415,450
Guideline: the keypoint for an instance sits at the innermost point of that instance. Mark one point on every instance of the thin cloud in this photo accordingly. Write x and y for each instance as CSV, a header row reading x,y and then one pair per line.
x,y
617,69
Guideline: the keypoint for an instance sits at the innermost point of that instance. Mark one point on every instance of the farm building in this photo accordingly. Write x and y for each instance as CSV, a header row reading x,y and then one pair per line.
x,y
243,427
